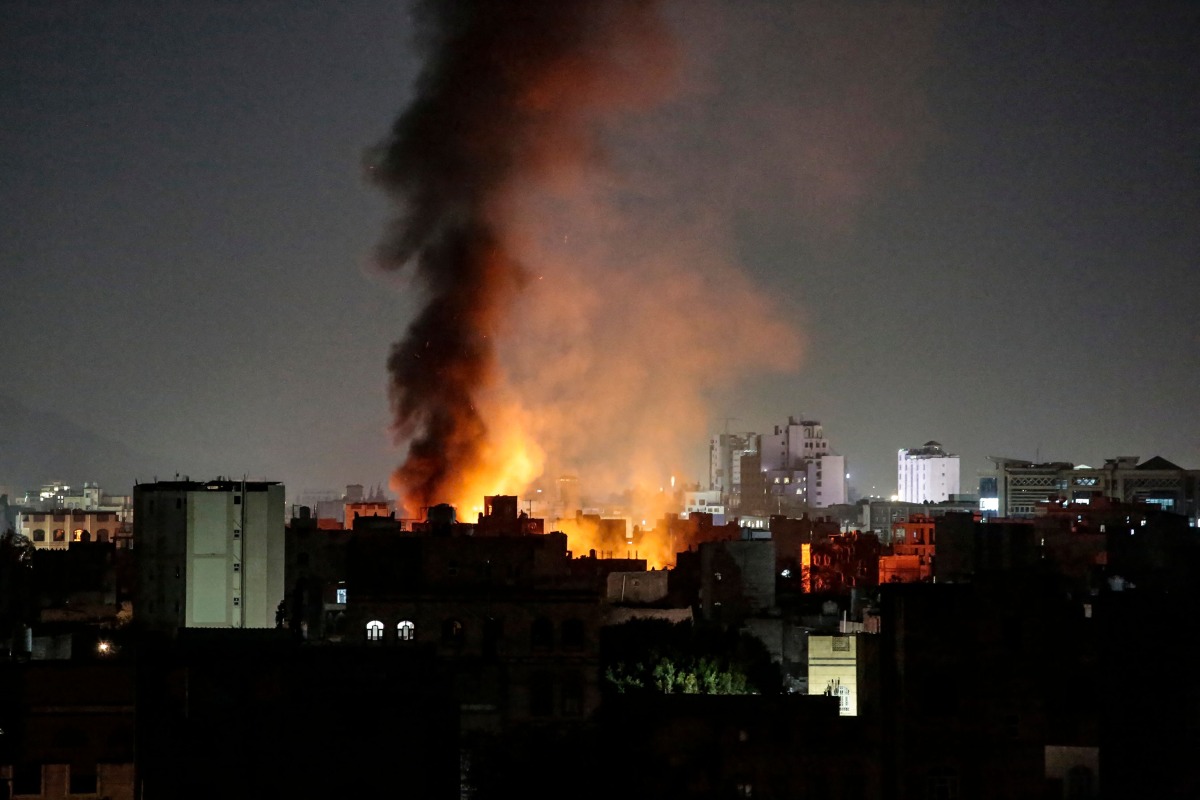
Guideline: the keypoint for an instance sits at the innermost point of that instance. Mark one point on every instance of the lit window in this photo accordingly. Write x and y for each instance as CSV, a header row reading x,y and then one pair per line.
x,y
406,631
374,631
341,595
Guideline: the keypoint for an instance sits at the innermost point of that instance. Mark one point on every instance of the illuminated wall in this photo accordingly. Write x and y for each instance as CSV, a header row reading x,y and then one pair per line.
x,y
833,669
210,555
926,474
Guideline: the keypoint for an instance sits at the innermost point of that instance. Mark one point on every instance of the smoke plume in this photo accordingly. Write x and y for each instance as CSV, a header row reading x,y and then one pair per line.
x,y
504,102
578,183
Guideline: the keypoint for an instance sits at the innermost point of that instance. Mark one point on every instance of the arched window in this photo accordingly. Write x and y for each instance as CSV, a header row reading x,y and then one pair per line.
x,y
374,631
452,632
573,634
39,535
60,535
102,535
542,633
406,631
81,535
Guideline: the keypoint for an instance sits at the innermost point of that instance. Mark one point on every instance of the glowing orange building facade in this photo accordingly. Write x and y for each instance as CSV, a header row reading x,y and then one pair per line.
x,y
913,549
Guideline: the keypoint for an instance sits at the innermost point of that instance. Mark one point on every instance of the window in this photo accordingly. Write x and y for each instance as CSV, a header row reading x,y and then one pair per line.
x,y
27,779
541,635
1080,783
452,632
102,535
83,780
39,535
80,535
572,696
237,566
237,499
573,634
60,535
374,631
406,631
341,596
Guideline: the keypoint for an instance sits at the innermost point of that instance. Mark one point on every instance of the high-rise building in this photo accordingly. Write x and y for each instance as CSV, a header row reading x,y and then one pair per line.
x,y
209,555
799,465
725,451
926,474
826,480
792,445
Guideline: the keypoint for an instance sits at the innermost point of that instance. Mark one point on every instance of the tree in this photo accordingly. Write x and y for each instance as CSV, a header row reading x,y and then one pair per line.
x,y
661,657
16,583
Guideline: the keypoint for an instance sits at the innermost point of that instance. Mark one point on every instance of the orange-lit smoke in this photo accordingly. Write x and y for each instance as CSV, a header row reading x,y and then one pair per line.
x,y
597,174
507,100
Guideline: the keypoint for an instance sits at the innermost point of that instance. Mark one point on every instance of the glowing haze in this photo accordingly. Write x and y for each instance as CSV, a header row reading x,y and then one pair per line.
x,y
570,323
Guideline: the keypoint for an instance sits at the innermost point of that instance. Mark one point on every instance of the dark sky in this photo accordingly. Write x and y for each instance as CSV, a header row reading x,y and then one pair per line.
x,y
983,222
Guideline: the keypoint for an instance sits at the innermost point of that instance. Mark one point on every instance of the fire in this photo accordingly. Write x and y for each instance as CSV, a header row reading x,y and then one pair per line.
x,y
508,460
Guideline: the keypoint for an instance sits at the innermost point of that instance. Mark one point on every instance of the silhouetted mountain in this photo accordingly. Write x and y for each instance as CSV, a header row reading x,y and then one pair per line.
x,y
38,446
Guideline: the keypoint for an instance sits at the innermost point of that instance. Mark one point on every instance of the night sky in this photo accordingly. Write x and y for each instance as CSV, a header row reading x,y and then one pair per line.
x,y
981,224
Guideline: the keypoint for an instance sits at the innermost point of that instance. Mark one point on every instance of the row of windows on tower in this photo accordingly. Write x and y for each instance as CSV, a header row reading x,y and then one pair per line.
x,y
541,632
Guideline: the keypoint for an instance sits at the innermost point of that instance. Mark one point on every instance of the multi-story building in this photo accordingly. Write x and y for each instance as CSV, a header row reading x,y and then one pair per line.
x,y
1016,487
710,502
881,516
913,547
58,528
798,464
926,474
55,516
210,555
725,453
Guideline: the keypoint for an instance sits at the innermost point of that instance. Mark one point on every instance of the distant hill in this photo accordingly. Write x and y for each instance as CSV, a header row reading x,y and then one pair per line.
x,y
37,447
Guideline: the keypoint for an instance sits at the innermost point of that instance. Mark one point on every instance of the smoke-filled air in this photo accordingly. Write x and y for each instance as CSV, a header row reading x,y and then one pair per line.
x,y
583,308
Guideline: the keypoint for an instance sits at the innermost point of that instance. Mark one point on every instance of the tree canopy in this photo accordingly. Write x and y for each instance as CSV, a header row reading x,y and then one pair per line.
x,y
662,657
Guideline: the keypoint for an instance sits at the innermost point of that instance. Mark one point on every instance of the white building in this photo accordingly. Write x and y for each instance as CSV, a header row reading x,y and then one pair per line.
x,y
926,474
705,502
826,481
725,451
797,460
210,555
793,444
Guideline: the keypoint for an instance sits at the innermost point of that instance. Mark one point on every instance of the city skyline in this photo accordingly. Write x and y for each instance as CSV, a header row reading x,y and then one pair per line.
x,y
981,225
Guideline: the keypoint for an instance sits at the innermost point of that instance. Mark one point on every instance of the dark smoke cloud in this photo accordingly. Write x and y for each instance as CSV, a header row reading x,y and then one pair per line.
x,y
507,97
